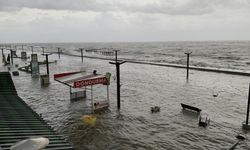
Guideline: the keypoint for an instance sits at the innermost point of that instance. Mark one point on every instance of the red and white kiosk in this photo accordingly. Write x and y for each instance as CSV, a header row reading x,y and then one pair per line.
x,y
80,81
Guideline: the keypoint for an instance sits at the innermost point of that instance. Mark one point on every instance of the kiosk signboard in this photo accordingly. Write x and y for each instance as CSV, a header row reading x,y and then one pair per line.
x,y
34,65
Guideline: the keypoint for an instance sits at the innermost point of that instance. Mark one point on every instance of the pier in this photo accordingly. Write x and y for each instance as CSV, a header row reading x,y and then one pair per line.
x,y
18,121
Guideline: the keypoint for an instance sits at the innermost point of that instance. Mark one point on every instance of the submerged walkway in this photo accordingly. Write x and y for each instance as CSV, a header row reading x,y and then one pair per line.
x,y
18,121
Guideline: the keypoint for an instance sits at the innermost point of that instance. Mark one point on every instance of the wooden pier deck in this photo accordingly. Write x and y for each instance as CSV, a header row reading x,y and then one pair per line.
x,y
18,121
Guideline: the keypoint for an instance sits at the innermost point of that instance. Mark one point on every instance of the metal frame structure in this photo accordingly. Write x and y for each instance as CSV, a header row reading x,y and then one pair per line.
x,y
78,80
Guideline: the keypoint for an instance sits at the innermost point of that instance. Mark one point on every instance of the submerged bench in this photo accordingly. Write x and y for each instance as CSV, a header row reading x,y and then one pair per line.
x,y
184,106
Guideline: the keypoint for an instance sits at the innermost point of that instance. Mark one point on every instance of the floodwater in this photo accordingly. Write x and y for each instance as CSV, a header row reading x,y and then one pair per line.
x,y
142,86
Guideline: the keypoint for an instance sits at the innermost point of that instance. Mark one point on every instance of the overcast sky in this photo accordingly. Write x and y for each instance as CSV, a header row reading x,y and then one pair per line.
x,y
123,20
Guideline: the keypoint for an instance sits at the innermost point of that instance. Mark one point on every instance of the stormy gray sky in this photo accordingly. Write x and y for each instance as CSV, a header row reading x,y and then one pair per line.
x,y
123,20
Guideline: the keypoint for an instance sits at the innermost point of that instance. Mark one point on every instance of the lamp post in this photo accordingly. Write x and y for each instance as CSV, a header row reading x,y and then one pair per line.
x,y
11,55
81,49
187,53
245,125
58,51
47,61
117,64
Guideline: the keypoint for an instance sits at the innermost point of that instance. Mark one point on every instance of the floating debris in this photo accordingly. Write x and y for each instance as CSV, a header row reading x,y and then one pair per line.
x,y
34,143
89,120
15,73
155,109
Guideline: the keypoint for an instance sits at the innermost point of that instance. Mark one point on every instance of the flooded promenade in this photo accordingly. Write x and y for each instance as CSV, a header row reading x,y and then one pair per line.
x,y
143,86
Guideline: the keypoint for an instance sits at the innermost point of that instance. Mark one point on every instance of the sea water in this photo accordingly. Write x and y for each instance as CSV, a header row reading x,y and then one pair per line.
x,y
215,54
142,87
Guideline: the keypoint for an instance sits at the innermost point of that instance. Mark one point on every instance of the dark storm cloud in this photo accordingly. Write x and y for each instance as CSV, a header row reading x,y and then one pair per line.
x,y
171,7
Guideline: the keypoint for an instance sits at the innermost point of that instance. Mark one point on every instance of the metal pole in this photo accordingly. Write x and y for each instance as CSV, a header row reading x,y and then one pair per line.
x,y
187,65
47,64
22,47
81,54
118,84
116,56
117,64
118,80
2,52
58,48
187,76
11,56
248,106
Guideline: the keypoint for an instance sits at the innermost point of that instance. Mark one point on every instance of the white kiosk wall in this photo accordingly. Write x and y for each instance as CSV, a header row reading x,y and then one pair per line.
x,y
34,66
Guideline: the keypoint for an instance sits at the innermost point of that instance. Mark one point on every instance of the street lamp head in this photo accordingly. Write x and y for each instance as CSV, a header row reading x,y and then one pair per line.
x,y
188,53
46,54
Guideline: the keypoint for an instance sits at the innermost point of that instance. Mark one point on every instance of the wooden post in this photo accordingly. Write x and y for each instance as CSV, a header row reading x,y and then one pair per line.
x,y
117,64
81,53
187,53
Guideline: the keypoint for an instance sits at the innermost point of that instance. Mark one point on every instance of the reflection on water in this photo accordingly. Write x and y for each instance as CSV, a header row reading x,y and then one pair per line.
x,y
134,126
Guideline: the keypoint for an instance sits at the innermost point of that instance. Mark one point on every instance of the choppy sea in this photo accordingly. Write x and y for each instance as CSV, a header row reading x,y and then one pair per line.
x,y
215,54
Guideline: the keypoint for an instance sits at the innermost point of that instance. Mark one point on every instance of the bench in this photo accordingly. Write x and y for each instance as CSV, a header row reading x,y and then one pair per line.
x,y
184,106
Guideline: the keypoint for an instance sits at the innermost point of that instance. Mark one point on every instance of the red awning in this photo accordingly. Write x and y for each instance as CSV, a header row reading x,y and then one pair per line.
x,y
80,79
